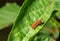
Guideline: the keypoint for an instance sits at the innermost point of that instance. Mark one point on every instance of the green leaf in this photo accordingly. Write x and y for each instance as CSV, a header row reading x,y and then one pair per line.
x,y
57,5
42,37
44,34
31,11
8,14
58,14
56,25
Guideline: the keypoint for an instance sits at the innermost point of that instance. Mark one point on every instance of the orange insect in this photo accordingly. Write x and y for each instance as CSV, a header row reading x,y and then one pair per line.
x,y
36,23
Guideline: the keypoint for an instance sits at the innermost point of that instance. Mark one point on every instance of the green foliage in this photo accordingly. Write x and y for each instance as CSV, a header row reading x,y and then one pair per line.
x,y
40,37
8,14
30,11
58,14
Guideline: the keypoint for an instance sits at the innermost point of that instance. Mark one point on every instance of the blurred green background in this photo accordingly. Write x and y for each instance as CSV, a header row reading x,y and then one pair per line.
x,y
8,4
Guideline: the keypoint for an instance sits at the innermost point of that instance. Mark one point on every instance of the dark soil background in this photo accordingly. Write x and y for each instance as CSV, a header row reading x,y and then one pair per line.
x,y
5,32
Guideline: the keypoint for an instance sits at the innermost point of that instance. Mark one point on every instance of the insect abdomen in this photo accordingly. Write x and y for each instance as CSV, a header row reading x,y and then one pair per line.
x,y
36,23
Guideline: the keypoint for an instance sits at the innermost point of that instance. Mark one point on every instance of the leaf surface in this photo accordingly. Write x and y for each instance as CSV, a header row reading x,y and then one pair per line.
x,y
31,11
8,14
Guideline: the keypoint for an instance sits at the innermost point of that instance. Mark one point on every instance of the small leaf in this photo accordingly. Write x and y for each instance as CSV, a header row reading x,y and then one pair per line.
x,y
8,14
